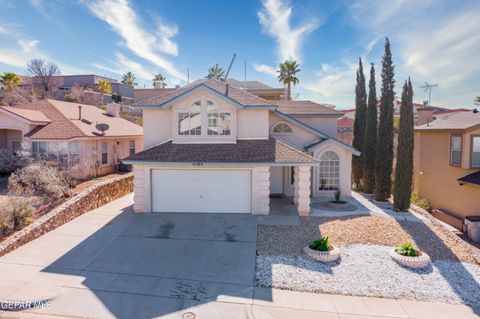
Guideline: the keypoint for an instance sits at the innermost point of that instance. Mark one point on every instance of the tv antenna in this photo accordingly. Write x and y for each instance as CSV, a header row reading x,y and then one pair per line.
x,y
428,87
230,66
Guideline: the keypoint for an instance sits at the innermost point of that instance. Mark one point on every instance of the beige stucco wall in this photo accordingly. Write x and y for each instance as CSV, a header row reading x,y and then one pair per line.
x,y
298,137
436,180
325,124
161,125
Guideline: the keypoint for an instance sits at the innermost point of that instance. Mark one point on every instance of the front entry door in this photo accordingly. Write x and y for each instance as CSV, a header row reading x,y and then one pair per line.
x,y
276,180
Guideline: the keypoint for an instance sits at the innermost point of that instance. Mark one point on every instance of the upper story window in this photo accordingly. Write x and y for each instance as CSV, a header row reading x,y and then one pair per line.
x,y
476,151
218,122
282,128
456,150
190,123
204,117
132,147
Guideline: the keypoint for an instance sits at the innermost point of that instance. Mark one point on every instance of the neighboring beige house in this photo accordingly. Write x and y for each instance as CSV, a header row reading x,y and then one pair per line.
x,y
69,132
447,165
212,147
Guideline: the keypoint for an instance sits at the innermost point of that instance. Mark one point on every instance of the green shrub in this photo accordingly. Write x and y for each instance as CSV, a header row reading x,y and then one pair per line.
x,y
338,196
420,202
321,244
407,249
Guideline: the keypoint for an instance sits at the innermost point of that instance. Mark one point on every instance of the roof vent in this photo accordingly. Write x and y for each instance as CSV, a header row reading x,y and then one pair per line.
x,y
226,89
425,103
475,111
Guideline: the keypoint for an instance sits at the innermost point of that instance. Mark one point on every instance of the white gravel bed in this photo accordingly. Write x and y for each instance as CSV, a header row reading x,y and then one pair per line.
x,y
368,270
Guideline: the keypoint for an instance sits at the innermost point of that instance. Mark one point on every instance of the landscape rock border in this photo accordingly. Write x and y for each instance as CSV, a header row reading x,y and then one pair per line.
x,y
93,197
323,256
473,252
415,262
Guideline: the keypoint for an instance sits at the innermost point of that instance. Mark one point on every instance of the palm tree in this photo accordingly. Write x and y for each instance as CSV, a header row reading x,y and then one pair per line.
x,y
477,100
104,88
216,72
129,79
160,78
9,81
287,74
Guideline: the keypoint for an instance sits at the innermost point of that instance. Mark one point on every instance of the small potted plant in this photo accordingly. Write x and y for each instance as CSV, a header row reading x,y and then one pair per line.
x,y
321,250
337,202
409,256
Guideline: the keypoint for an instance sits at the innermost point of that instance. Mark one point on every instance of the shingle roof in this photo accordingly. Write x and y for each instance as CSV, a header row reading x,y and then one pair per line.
x,y
306,108
453,121
241,97
473,178
30,115
244,151
65,123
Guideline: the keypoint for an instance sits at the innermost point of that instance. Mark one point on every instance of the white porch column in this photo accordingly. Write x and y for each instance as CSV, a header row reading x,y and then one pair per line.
x,y
302,190
261,190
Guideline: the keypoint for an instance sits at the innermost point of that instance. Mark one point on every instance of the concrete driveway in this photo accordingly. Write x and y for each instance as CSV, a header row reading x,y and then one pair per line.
x,y
113,263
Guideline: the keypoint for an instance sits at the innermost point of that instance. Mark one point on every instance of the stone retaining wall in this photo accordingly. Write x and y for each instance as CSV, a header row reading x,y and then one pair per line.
x,y
93,197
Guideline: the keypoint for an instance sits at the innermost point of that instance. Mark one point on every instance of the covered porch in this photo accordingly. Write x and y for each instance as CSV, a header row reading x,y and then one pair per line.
x,y
11,139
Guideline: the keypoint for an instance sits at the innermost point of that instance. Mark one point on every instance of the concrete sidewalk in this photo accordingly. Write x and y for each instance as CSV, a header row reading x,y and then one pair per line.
x,y
111,263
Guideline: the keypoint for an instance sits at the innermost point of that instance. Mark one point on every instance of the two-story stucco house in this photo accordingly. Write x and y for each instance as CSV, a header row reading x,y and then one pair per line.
x,y
447,164
212,147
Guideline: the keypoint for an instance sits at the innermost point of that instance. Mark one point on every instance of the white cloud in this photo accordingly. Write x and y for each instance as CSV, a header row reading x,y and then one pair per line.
x,y
266,69
3,30
275,18
435,41
124,20
334,81
27,50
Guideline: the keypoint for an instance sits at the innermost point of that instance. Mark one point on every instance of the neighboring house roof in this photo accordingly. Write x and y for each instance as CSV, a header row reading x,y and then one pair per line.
x,y
29,115
292,107
473,178
345,121
452,121
238,97
65,122
271,152
250,85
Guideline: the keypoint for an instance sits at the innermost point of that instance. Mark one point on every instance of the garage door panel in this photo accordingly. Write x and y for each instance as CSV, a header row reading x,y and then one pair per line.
x,y
206,191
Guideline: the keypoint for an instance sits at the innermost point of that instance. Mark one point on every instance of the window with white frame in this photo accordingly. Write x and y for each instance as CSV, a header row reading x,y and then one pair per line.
x,y
282,128
190,123
132,147
329,171
104,152
456,150
475,151
218,122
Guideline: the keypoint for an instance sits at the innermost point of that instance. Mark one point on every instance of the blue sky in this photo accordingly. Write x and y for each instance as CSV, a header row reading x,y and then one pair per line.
x,y
435,41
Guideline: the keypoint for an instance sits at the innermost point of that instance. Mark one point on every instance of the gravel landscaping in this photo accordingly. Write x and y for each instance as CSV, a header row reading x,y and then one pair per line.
x,y
368,270
366,267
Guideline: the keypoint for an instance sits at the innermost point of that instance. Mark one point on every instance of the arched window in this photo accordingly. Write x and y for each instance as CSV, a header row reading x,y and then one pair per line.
x,y
190,123
329,172
282,128
218,122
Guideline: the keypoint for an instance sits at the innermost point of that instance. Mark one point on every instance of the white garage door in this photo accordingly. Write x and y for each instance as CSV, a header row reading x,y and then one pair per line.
x,y
203,191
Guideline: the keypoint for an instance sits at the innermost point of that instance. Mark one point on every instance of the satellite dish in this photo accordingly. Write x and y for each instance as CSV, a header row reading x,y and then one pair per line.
x,y
102,127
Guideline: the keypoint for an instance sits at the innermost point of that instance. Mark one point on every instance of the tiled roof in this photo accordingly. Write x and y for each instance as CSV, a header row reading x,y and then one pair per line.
x,y
65,123
241,97
244,151
306,108
30,115
473,178
452,121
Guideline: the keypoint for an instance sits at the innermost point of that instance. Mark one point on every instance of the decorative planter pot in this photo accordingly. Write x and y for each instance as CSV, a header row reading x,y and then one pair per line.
x,y
416,262
340,205
323,256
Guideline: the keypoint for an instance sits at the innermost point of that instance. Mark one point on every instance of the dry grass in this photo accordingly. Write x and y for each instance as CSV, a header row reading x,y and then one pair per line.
x,y
344,231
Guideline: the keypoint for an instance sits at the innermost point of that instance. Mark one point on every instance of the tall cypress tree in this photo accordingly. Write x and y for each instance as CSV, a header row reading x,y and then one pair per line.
x,y
404,169
370,135
359,125
384,158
